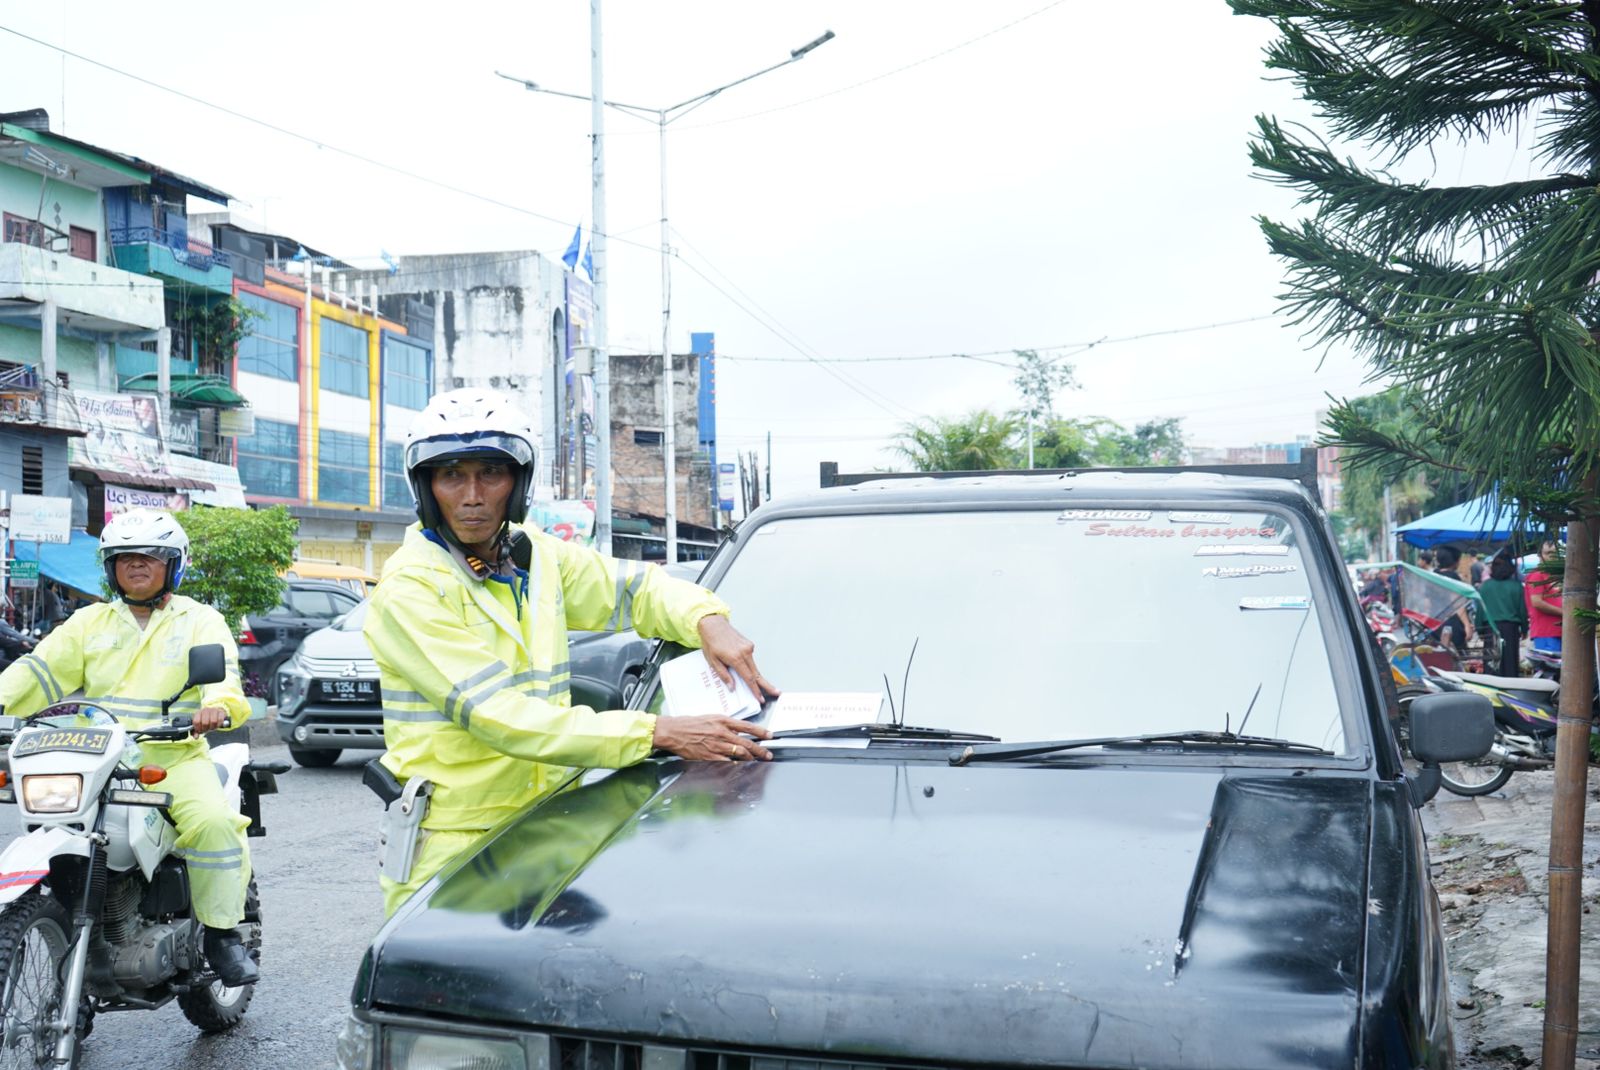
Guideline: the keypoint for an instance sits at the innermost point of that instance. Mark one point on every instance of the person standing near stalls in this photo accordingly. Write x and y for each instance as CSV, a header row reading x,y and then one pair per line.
x,y
469,624
1542,590
1502,602
1457,628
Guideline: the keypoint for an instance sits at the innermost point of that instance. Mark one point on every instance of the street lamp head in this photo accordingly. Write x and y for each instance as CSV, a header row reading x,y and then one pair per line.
x,y
531,86
803,49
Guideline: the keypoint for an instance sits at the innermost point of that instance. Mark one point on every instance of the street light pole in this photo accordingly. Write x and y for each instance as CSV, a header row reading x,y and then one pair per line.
x,y
662,117
597,274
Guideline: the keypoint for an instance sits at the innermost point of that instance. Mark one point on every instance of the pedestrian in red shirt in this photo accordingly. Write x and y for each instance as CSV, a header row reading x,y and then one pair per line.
x,y
1543,593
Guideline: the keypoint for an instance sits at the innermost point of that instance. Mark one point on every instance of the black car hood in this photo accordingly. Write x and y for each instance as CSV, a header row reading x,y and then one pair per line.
x,y
1093,916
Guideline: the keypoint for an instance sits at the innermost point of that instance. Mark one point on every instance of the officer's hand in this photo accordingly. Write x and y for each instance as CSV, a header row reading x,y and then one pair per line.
x,y
711,738
208,718
728,652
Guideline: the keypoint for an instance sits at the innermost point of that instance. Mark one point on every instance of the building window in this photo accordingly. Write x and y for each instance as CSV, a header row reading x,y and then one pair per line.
x,y
396,489
33,469
269,460
344,358
645,437
272,347
342,468
405,374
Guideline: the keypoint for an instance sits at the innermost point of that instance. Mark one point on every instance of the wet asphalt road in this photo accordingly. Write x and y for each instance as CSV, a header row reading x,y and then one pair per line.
x,y
317,872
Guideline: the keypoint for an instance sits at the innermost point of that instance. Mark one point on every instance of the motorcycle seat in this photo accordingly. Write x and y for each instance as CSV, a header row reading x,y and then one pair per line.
x,y
1511,683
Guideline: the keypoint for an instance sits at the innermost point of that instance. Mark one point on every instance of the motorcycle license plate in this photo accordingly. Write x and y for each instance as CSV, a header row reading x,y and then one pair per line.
x,y
75,740
347,690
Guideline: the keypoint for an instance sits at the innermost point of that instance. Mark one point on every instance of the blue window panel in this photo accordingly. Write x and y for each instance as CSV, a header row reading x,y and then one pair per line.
x,y
396,490
342,471
344,358
405,374
273,345
269,460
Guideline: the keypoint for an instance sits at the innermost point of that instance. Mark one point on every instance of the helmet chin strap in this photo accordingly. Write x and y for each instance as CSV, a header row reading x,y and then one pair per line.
x,y
147,603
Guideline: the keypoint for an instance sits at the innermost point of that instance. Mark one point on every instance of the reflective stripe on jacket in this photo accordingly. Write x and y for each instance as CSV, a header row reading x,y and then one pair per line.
x,y
475,675
101,651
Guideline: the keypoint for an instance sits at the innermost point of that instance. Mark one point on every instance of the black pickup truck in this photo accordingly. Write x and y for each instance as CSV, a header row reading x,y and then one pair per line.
x,y
1132,799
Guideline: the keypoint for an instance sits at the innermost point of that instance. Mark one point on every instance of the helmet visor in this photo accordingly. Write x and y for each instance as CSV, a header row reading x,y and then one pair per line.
x,y
491,445
164,553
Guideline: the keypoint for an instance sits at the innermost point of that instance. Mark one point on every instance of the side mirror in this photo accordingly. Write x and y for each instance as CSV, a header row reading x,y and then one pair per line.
x,y
596,694
1456,726
9,725
207,665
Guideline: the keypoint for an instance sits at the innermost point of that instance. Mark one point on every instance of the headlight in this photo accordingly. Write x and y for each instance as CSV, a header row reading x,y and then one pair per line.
x,y
406,1049
293,686
58,793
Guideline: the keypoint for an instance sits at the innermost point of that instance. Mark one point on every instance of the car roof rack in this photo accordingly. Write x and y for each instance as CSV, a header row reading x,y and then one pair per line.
x,y
1304,472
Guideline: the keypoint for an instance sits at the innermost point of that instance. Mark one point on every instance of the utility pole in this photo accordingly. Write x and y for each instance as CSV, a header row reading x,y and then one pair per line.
x,y
769,466
597,249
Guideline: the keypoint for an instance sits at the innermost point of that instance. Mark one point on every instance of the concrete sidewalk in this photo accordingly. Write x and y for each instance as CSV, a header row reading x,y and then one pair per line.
x,y
1490,859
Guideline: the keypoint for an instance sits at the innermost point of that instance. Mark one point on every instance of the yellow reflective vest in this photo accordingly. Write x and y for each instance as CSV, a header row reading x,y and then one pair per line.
x,y
475,674
101,651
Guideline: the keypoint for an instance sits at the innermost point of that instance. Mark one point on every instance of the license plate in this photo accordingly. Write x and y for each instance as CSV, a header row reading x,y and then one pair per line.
x,y
348,690
75,740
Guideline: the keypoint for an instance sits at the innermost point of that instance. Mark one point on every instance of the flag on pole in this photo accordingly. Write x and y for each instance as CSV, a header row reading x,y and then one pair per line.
x,y
570,257
588,261
388,258
300,253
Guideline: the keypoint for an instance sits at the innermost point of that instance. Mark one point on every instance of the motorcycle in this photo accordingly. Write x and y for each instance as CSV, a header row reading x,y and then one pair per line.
x,y
96,912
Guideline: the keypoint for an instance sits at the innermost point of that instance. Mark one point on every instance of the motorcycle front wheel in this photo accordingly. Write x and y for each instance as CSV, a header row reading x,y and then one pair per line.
x,y
35,939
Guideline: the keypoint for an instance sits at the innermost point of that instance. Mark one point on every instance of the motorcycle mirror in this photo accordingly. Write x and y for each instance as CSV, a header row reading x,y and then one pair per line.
x,y
9,724
207,665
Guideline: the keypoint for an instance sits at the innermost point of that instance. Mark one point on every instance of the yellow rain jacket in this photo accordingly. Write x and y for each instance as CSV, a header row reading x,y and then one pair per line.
x,y
101,651
475,677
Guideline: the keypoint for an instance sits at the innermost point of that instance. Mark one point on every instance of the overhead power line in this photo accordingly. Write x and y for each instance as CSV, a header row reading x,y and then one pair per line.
x,y
315,142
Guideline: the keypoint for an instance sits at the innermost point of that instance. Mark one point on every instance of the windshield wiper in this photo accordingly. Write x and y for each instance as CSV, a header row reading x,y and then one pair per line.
x,y
1008,751
878,730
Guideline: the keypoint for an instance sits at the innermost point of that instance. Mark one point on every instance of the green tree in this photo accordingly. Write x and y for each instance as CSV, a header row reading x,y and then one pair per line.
x,y
1481,299
1096,441
980,441
235,557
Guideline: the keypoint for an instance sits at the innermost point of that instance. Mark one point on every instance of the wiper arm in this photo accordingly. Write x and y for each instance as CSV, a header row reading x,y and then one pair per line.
x,y
878,730
1008,751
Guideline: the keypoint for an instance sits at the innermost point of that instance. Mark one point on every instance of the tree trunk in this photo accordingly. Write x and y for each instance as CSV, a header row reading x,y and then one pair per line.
x,y
1571,786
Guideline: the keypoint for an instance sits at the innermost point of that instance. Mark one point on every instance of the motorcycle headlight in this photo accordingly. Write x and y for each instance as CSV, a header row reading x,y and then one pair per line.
x,y
408,1049
57,793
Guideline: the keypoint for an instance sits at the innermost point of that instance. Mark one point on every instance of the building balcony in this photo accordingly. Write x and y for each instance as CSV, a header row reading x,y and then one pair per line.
x,y
188,264
28,401
89,295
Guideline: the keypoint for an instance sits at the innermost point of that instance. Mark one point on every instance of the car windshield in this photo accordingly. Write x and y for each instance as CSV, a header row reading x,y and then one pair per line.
x,y
1043,624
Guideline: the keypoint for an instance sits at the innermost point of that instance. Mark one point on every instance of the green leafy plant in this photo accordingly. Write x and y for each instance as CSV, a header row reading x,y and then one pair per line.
x,y
236,556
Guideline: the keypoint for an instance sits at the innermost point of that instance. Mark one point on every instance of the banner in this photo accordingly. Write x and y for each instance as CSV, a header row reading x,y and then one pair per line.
x,y
567,519
36,518
123,435
122,499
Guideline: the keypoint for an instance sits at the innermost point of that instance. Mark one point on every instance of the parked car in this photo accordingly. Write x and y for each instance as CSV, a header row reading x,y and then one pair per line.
x,y
329,698
270,639
358,582
1132,799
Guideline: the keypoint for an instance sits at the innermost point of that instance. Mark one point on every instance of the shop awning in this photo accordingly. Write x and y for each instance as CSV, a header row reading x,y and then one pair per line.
x,y
144,481
73,564
212,391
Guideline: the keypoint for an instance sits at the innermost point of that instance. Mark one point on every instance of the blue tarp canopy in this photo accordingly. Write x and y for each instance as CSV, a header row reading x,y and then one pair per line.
x,y
74,564
1474,521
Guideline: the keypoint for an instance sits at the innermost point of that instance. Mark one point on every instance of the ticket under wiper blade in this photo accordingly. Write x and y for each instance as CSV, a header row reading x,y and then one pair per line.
x,y
1007,751
878,730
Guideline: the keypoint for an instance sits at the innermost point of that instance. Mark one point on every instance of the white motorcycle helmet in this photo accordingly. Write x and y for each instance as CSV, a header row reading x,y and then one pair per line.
x,y
469,423
149,532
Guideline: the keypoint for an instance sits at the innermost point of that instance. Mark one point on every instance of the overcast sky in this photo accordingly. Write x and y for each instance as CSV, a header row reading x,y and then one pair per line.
x,y
1063,173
